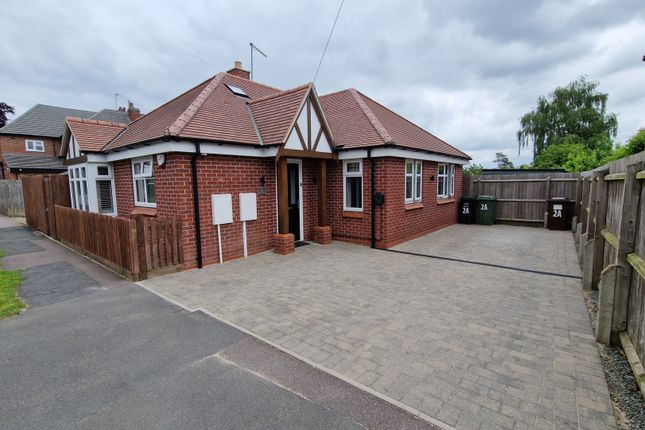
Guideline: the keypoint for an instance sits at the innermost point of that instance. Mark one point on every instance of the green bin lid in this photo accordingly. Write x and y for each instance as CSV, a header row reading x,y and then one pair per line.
x,y
486,198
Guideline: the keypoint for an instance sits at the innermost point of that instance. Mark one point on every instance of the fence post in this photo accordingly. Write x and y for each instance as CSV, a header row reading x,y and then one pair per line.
x,y
591,273
547,196
588,244
139,243
626,239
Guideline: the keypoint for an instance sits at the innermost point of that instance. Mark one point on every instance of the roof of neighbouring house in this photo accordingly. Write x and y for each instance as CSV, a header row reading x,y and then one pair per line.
x,y
92,135
357,121
34,162
43,120
209,111
112,115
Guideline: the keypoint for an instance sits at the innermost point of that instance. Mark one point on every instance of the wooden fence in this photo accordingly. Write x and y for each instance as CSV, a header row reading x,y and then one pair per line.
x,y
136,248
522,197
11,202
610,235
41,194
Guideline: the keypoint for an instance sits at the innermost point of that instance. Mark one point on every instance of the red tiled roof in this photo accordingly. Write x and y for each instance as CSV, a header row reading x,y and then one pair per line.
x,y
91,135
275,114
209,111
359,122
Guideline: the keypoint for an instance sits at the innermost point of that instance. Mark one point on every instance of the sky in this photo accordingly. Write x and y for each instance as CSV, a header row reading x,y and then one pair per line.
x,y
464,70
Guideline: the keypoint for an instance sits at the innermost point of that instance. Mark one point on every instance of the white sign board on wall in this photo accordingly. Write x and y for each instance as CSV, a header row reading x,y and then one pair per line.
x,y
222,209
248,207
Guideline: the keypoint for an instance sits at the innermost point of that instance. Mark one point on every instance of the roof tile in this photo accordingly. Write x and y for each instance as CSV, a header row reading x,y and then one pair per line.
x,y
92,135
344,110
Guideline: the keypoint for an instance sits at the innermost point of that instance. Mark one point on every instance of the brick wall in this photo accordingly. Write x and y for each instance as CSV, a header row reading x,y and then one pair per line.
x,y
395,222
217,175
123,187
309,197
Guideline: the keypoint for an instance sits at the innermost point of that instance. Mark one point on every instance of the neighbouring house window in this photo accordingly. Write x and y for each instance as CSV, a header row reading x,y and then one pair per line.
x,y
446,180
353,185
104,195
78,188
144,182
34,145
413,180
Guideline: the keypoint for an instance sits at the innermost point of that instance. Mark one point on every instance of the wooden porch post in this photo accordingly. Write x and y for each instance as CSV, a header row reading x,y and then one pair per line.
x,y
283,192
322,192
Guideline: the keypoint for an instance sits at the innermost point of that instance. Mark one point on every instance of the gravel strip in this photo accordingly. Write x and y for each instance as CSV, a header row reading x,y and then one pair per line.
x,y
628,401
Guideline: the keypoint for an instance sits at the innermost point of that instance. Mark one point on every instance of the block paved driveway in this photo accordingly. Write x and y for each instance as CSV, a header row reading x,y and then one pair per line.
x,y
469,345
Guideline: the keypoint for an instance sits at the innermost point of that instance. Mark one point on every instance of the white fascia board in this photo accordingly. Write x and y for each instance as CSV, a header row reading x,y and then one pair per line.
x,y
206,148
399,153
241,150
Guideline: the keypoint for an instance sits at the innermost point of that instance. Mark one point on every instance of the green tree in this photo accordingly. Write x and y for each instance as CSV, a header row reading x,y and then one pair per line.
x,y
634,145
4,110
473,169
502,161
572,155
578,109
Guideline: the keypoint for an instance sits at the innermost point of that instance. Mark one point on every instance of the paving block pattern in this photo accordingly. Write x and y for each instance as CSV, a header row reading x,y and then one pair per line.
x,y
475,347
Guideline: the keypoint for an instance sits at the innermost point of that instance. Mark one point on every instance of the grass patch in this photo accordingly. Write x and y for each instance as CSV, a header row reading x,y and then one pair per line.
x,y
10,304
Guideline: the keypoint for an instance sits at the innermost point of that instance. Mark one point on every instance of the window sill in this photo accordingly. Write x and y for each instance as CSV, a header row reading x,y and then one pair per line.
x,y
445,201
352,214
413,206
140,210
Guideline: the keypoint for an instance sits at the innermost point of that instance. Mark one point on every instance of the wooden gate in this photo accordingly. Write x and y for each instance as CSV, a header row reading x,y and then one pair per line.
x,y
11,202
41,194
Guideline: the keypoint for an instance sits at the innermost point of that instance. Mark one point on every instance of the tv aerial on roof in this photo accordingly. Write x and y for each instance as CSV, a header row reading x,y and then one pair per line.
x,y
255,48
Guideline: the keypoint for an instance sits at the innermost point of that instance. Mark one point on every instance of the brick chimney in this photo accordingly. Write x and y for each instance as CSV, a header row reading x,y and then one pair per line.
x,y
238,71
133,112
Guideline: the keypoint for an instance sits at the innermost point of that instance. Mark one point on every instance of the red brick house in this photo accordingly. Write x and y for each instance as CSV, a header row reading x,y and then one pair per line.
x,y
311,165
30,144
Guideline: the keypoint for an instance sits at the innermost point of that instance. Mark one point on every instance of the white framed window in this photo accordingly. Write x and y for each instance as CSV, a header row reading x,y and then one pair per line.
x,y
34,145
78,187
413,180
353,185
445,181
104,189
144,182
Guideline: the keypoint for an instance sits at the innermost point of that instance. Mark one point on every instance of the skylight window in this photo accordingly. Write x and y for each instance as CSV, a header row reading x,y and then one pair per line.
x,y
237,91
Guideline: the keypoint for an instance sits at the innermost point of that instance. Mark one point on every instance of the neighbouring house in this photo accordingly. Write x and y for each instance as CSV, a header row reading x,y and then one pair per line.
x,y
30,144
338,166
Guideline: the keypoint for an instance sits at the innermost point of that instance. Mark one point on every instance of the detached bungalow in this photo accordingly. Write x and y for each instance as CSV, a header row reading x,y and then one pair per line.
x,y
340,165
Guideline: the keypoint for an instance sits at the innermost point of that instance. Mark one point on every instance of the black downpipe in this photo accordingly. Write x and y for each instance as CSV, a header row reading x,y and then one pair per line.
x,y
373,203
198,225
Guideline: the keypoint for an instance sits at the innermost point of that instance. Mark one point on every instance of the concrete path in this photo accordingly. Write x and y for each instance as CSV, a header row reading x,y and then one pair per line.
x,y
471,346
93,351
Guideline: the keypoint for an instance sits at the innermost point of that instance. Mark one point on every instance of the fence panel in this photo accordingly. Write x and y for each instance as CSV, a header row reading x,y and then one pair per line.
x,y
34,197
522,197
11,201
104,238
613,196
136,248
162,245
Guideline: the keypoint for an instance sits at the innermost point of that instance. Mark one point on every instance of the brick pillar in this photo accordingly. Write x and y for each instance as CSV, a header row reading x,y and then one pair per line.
x,y
284,244
322,235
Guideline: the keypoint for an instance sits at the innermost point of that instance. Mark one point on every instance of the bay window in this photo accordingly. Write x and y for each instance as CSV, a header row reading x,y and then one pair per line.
x,y
413,180
104,194
445,181
144,182
353,185
78,188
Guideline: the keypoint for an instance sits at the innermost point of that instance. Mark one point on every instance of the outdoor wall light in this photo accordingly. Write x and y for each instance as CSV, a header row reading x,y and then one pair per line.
x,y
262,180
431,178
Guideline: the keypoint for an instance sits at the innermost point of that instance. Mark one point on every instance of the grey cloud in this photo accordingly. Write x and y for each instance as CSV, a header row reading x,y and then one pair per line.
x,y
466,71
